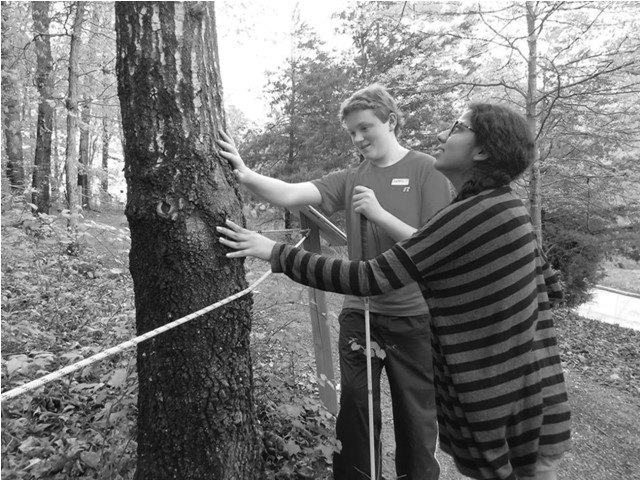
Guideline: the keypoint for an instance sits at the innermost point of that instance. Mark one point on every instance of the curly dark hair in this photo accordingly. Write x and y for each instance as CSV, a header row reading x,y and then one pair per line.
x,y
506,137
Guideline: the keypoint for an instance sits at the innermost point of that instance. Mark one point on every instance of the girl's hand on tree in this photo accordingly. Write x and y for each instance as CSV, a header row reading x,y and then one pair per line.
x,y
245,242
230,152
366,203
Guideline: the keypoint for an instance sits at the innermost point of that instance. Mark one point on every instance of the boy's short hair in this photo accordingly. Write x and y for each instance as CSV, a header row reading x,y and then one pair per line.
x,y
374,97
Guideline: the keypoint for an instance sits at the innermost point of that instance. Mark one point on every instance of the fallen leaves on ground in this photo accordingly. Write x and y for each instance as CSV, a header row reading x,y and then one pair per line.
x,y
606,353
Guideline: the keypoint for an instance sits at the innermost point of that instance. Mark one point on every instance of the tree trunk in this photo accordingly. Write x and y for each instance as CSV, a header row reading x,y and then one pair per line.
x,y
11,116
71,159
57,167
85,162
41,179
106,139
531,101
13,135
196,413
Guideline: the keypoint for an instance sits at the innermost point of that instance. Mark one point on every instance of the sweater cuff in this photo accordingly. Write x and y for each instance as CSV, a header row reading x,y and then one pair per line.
x,y
276,266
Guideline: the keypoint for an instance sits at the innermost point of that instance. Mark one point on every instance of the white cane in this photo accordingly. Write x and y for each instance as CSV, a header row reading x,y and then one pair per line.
x,y
364,242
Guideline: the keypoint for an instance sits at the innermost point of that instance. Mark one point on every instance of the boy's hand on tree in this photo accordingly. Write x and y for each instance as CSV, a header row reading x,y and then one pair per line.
x,y
366,203
246,243
230,153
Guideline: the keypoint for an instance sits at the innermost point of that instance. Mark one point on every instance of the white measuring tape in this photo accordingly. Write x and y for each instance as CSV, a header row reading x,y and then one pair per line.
x,y
131,343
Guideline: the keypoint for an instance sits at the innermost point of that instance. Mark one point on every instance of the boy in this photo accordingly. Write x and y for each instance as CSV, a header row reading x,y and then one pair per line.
x,y
398,190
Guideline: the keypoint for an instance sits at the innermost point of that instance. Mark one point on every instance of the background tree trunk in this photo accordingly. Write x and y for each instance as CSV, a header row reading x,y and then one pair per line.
x,y
41,179
85,159
11,114
71,159
106,139
535,193
13,135
196,415
57,166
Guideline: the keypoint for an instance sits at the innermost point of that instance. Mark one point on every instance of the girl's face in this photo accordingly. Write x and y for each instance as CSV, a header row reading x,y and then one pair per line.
x,y
457,152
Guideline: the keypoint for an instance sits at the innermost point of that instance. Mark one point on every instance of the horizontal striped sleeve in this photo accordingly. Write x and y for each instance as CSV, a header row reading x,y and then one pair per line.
x,y
389,271
554,290
320,267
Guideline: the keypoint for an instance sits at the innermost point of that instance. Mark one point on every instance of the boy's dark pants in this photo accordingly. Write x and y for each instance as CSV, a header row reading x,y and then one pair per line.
x,y
405,352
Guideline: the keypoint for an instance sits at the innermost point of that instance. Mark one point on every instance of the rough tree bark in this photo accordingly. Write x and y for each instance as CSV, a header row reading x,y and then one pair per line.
x,y
71,158
196,409
41,179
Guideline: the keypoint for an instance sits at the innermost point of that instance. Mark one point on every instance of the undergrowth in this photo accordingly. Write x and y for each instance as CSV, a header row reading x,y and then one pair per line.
x,y
60,305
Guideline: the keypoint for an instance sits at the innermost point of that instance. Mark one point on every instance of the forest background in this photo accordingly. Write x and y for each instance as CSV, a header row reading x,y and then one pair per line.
x,y
572,67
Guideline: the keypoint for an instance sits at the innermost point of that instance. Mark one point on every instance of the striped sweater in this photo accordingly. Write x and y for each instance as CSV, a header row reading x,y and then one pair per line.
x,y
500,389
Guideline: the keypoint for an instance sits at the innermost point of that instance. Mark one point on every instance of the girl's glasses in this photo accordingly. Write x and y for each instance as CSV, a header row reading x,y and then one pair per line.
x,y
458,126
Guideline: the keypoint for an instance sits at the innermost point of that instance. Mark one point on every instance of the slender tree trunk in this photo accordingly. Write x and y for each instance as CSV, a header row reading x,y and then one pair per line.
x,y
13,136
295,20
71,158
41,180
58,171
292,104
85,161
196,414
532,100
106,139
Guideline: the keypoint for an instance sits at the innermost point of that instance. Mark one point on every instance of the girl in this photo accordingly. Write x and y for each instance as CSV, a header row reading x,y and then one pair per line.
x,y
502,404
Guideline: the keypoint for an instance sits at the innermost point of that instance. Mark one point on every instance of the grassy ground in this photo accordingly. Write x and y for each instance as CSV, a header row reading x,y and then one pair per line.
x,y
57,308
622,274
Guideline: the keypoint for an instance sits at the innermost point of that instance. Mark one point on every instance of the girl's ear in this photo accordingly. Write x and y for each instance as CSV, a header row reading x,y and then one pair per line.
x,y
480,156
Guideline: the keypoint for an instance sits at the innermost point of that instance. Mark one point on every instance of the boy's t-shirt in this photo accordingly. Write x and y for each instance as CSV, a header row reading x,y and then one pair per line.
x,y
411,190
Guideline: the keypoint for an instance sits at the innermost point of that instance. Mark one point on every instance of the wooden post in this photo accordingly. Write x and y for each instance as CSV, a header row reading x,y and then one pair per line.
x,y
316,223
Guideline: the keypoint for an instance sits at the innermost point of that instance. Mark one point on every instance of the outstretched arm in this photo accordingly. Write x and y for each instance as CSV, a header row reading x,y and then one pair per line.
x,y
389,271
272,190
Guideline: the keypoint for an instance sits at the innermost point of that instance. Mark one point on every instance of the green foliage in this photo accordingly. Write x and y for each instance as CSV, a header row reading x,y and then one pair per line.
x,y
298,430
394,46
305,132
58,309
577,256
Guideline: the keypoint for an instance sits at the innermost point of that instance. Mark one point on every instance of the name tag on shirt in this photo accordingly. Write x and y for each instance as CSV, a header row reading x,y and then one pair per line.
x,y
400,181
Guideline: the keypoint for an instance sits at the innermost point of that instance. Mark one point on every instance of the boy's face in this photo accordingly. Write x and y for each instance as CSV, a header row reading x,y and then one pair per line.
x,y
369,134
